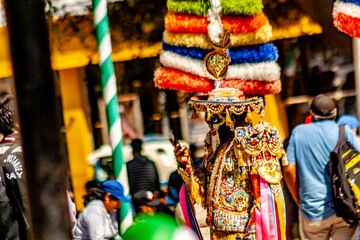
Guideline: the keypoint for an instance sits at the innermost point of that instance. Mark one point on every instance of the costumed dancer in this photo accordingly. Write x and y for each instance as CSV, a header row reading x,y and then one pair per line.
x,y
346,16
225,54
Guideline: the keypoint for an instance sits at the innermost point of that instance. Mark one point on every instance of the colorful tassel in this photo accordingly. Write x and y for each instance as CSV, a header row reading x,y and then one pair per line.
x,y
208,116
244,175
229,122
248,119
193,114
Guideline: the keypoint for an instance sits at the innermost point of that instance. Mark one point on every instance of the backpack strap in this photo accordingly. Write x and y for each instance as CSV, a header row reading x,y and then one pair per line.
x,y
342,135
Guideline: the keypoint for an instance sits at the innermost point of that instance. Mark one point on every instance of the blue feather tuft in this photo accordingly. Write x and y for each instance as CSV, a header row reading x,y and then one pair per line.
x,y
249,54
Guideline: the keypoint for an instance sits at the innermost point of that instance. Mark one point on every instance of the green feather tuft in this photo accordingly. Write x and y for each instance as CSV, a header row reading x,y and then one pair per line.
x,y
230,7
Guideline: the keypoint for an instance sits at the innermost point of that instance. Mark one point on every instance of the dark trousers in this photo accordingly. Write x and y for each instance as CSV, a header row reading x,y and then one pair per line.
x,y
12,226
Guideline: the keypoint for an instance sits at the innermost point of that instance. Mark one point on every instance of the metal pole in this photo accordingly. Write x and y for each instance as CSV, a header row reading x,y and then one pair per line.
x,y
356,56
39,119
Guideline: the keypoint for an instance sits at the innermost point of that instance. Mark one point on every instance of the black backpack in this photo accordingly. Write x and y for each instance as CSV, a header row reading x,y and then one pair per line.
x,y
344,167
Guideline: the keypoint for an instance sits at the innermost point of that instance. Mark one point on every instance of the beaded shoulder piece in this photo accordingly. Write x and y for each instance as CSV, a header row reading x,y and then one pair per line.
x,y
260,148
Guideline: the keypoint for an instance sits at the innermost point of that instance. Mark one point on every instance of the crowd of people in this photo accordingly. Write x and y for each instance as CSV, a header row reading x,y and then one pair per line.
x,y
98,220
307,179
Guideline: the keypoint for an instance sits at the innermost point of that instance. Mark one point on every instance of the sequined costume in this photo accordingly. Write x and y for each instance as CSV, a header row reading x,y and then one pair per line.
x,y
229,184
219,47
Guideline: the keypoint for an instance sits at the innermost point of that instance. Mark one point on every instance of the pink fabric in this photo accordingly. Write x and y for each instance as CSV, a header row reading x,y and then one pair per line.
x,y
182,201
267,218
258,228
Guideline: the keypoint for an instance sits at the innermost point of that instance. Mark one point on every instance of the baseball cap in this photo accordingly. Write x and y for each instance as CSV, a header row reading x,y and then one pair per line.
x,y
114,188
349,120
146,198
323,105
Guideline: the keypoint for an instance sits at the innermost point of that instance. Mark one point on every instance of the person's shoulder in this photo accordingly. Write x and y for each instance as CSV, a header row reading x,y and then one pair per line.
x,y
314,125
95,205
348,130
11,138
301,127
131,162
146,159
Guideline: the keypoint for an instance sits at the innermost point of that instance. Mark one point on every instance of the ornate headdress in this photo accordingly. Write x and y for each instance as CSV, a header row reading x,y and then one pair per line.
x,y
207,45
220,50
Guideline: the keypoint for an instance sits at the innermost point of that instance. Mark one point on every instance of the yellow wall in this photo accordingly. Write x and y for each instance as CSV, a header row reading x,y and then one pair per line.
x,y
68,52
275,114
5,60
77,132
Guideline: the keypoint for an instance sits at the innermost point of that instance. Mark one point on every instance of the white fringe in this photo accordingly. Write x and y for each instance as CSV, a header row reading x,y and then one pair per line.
x,y
215,27
265,71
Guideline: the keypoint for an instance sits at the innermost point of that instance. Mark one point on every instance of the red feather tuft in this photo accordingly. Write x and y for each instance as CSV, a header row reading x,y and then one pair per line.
x,y
177,80
254,87
183,23
347,24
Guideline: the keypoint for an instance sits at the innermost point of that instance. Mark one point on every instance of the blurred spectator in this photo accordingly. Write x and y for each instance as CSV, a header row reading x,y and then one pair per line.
x,y
196,155
174,186
142,172
145,202
13,194
352,122
72,212
292,223
307,174
97,220
349,120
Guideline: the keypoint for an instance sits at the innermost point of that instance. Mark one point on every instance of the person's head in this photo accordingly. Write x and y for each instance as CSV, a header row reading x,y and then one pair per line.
x,y
90,185
323,108
136,145
145,201
94,194
7,115
113,194
349,120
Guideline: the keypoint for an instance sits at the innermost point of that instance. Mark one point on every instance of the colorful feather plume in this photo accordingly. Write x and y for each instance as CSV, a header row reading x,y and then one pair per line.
x,y
188,56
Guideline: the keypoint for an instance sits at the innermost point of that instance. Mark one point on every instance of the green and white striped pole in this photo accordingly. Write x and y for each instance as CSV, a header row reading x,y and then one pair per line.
x,y
108,82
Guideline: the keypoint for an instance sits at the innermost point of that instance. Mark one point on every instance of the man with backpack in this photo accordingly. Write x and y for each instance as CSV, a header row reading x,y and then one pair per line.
x,y
13,196
307,175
